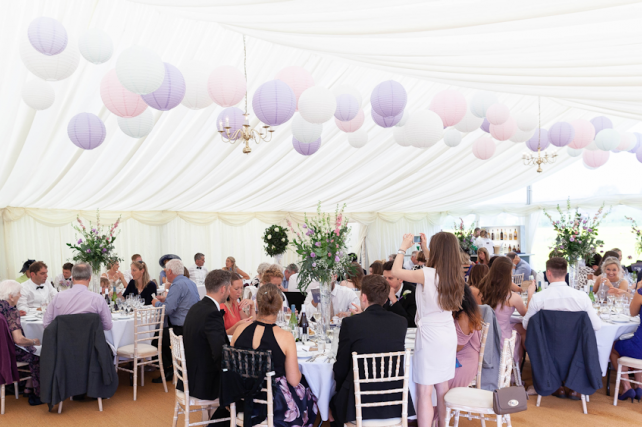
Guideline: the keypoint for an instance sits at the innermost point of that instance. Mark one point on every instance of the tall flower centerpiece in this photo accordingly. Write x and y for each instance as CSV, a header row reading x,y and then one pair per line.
x,y
95,247
638,234
276,242
465,236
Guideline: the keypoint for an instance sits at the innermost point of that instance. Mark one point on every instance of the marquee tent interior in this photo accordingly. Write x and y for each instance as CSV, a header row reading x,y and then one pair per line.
x,y
181,189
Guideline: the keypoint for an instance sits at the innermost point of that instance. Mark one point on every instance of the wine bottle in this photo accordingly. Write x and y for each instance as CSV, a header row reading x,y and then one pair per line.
x,y
510,235
501,235
492,235
515,235
303,324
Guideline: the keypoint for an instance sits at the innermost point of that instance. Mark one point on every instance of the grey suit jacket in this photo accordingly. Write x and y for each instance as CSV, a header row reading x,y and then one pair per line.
x,y
493,350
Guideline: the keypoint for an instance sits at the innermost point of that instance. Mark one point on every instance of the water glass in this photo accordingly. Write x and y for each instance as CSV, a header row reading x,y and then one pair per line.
x,y
605,312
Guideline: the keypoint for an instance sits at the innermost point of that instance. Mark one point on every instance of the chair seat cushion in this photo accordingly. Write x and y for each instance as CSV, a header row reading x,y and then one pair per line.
x,y
470,398
193,401
144,350
240,416
631,362
377,423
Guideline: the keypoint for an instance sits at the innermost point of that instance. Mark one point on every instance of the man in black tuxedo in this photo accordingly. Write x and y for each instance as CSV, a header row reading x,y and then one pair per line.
x,y
374,330
402,296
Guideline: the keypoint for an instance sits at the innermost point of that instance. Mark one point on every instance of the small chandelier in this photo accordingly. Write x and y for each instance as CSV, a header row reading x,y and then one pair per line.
x,y
245,133
539,160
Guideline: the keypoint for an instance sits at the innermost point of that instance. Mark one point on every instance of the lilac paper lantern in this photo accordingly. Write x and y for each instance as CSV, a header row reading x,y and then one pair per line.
x,y
386,122
232,117
86,131
539,138
637,145
274,102
347,107
388,98
561,134
306,149
638,155
170,93
600,123
47,36
485,126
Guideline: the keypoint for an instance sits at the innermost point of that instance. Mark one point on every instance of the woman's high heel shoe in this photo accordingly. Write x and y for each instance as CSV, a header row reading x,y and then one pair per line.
x,y
638,393
629,394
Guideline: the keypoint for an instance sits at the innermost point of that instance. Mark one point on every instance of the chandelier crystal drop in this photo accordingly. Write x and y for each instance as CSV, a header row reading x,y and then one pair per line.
x,y
539,160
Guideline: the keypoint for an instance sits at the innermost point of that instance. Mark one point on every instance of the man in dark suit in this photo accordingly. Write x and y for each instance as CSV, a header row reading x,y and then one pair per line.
x,y
374,330
402,296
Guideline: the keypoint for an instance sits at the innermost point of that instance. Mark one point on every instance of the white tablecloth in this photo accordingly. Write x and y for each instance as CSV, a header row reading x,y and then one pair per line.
x,y
201,291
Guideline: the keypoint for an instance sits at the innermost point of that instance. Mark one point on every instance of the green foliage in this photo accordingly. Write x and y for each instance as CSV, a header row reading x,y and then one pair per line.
x,y
276,240
94,247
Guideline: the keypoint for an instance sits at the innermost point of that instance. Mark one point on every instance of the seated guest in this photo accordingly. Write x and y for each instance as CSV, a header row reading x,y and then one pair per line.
x,y
557,254
9,296
392,257
105,288
237,313
364,334
128,273
116,278
182,295
198,272
476,232
62,282
294,402
140,283
36,292
483,242
611,278
421,261
483,256
25,271
477,273
250,291
289,271
376,268
409,264
163,261
342,300
521,266
401,299
353,278
468,322
590,271
230,265
79,299
466,265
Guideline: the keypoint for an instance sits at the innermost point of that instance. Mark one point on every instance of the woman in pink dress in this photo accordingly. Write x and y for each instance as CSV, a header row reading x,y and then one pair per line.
x,y
440,291
468,323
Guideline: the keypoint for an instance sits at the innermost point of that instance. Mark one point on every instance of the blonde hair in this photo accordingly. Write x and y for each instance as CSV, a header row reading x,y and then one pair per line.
x,y
270,272
233,261
140,265
611,260
487,255
483,234
465,258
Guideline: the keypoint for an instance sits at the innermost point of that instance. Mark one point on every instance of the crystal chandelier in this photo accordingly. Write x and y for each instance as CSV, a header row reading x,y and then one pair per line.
x,y
245,133
539,160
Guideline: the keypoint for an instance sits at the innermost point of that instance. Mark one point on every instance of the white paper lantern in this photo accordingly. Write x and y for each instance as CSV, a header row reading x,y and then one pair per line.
x,y
505,131
573,152
452,137
140,70
404,119
139,126
317,105
196,75
423,129
38,95
351,90
469,123
50,68
358,138
592,146
607,139
480,103
525,122
627,141
305,131
96,46
399,135
497,114
522,136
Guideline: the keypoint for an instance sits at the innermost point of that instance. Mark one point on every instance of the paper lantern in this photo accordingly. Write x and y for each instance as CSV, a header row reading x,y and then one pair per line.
x,y
353,124
171,91
404,119
522,136
497,114
358,138
226,86
607,139
525,122
539,139
638,144
306,149
232,117
584,133
627,141
452,137
140,70
399,135
86,131
196,75
484,148
304,131
591,147
350,90
38,95
595,159
574,152
317,104
139,126
388,98
561,134
423,129
96,46
450,105
50,68
47,36
347,107
469,123
480,103
504,131
118,99
386,122
638,155
274,103
298,78
600,123
485,126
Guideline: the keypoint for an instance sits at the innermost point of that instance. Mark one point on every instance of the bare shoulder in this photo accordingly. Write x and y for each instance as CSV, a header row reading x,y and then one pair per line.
x,y
284,339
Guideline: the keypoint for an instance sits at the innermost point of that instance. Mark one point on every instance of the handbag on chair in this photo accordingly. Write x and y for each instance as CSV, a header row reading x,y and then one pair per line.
x,y
509,400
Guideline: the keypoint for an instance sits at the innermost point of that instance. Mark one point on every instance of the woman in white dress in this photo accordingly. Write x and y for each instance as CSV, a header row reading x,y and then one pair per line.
x,y
116,278
440,291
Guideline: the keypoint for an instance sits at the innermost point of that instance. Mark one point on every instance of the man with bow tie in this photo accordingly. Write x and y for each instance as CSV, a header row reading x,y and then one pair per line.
x,y
36,292
197,272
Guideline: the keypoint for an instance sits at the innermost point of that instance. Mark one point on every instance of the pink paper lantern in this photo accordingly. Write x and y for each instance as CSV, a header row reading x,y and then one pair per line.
x,y
298,78
274,103
47,36
450,105
353,125
561,134
386,122
504,131
306,149
226,86
388,98
232,117
595,159
347,107
497,114
170,93
638,154
119,100
484,148
86,131
539,139
584,133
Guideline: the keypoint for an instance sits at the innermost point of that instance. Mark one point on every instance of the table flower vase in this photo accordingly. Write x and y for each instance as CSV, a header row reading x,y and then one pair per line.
x,y
279,259
94,283
325,307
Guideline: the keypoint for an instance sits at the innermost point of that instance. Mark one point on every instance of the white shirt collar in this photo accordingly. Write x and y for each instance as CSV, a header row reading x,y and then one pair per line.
x,y
398,293
215,302
557,284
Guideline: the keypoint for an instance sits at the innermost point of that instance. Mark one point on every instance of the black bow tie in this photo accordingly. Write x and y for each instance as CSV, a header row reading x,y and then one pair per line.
x,y
40,287
222,312
198,268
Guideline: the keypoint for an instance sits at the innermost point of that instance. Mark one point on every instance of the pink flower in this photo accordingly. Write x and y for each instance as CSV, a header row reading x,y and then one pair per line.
x,y
337,232
329,255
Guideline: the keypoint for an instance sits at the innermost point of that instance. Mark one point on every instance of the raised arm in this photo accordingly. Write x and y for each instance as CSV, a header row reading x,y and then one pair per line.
x,y
412,276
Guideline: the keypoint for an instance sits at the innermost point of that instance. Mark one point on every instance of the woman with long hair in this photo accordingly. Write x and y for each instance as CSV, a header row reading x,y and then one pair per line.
x,y
477,273
468,323
353,278
230,265
483,257
440,291
140,283
115,277
376,268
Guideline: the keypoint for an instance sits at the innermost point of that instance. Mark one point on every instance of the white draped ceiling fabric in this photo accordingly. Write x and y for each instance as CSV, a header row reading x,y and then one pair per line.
x,y
182,189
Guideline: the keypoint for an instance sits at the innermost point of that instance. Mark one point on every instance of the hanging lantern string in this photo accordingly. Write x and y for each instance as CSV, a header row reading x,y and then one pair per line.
x,y
539,122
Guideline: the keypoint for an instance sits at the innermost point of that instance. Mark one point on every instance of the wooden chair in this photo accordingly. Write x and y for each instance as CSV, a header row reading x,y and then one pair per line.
x,y
184,401
518,279
15,384
629,362
476,382
478,401
147,321
388,373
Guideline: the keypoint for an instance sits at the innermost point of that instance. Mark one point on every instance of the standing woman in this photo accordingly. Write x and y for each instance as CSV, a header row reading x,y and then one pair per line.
x,y
440,291
140,284
230,265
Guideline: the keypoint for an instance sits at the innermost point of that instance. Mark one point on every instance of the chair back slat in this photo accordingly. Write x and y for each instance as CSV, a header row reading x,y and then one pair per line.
x,y
482,349
506,362
148,321
518,279
178,359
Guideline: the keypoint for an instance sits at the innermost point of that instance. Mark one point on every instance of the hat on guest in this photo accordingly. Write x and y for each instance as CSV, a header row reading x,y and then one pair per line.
x,y
166,258
26,265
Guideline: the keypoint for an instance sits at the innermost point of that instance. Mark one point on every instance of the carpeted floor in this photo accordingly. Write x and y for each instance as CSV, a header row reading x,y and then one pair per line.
x,y
155,408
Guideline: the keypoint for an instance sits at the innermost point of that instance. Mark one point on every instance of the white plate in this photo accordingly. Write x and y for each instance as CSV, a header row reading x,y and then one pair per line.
x,y
621,318
306,354
29,318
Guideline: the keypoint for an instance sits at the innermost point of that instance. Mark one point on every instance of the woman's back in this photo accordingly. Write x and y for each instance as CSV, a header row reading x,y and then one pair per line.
x,y
260,336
